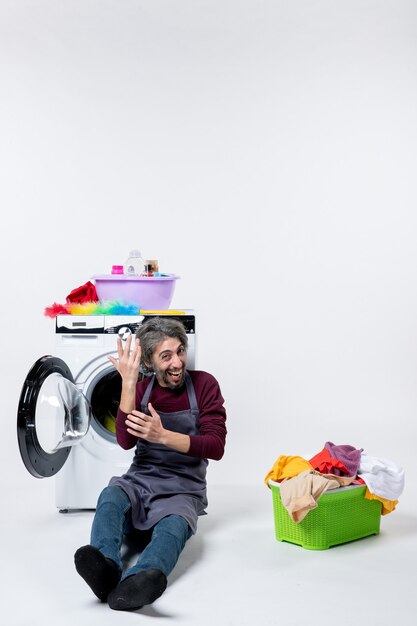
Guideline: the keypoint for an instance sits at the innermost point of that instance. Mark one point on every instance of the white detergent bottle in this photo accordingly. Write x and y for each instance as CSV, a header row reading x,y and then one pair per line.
x,y
134,265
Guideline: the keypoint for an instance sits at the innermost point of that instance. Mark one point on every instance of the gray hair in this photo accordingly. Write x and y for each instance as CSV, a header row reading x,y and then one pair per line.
x,y
155,330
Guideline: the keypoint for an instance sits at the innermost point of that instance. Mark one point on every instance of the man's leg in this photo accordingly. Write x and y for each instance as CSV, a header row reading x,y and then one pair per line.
x,y
100,563
147,580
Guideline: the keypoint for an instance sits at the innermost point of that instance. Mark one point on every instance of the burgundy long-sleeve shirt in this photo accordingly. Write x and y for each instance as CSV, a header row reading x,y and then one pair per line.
x,y
210,442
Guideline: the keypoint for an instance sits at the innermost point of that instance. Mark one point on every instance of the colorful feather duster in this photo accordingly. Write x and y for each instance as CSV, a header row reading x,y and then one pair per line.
x,y
113,307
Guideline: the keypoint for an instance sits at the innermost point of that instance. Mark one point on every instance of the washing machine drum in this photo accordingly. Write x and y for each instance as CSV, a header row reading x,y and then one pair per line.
x,y
53,416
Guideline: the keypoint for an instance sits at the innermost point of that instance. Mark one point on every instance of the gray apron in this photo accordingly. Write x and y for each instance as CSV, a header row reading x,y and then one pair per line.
x,y
162,481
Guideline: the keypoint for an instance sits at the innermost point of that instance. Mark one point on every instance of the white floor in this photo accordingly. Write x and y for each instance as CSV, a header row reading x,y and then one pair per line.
x,y
233,572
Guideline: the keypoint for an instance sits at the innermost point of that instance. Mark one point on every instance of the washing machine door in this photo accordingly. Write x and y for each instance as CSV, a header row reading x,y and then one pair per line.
x,y
53,415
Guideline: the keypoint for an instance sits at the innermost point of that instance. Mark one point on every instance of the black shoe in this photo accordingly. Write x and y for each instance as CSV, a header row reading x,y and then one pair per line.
x,y
137,590
101,574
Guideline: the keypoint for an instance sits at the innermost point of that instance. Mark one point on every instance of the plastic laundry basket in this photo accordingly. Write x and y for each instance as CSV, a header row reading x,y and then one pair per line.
x,y
342,515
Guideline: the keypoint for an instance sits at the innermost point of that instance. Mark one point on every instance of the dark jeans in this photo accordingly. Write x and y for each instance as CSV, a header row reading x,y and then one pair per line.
x,y
113,520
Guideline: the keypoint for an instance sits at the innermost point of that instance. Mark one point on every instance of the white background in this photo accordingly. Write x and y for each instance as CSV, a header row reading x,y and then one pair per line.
x,y
265,151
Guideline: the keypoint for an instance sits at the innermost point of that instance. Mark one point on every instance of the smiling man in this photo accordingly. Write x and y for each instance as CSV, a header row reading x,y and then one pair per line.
x,y
175,420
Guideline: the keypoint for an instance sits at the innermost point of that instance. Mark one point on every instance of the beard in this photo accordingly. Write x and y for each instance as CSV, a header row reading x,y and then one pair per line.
x,y
166,380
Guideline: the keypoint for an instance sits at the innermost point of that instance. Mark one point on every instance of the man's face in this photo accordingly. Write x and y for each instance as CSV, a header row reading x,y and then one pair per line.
x,y
168,362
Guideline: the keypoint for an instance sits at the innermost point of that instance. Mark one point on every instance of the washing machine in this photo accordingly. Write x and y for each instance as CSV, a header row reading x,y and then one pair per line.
x,y
68,404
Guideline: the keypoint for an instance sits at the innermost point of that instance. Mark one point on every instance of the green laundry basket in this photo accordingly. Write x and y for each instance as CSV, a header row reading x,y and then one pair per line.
x,y
342,515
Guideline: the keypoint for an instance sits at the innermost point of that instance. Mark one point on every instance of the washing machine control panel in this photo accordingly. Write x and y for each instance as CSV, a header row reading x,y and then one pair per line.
x,y
121,325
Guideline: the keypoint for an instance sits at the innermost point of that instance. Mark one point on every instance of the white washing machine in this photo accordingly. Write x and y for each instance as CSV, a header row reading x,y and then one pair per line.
x,y
68,405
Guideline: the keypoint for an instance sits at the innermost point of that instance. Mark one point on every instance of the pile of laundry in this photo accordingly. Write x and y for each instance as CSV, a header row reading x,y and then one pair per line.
x,y
304,481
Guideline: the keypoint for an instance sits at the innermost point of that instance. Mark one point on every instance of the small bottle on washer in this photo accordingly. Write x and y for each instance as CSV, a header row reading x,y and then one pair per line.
x,y
134,265
148,269
151,267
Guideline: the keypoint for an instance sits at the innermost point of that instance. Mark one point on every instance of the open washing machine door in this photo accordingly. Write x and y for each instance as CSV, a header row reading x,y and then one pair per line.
x,y
53,415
